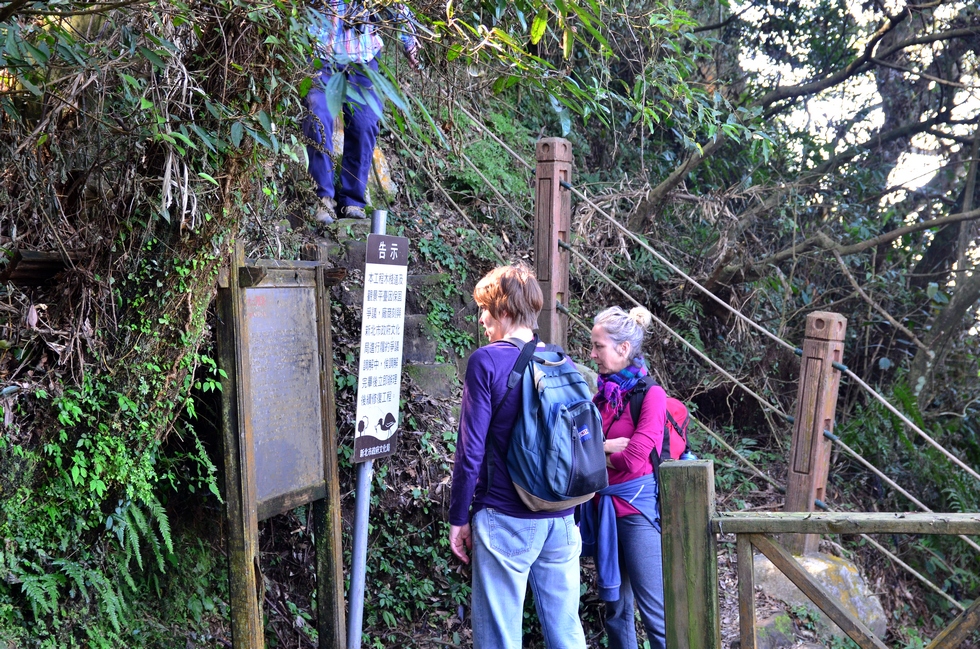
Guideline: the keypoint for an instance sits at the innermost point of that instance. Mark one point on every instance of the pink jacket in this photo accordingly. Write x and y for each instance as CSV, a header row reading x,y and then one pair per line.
x,y
644,437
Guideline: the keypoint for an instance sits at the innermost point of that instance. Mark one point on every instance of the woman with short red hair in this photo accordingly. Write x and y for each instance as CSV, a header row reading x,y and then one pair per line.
x,y
511,544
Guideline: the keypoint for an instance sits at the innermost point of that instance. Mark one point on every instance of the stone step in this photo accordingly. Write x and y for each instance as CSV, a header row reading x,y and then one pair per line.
x,y
421,288
436,380
348,242
420,344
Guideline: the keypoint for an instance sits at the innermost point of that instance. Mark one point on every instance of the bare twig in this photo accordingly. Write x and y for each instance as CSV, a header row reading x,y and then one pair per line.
x,y
822,241
877,307
100,8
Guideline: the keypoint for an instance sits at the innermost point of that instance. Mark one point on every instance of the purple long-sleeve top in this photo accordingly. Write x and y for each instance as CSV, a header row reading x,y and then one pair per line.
x,y
479,443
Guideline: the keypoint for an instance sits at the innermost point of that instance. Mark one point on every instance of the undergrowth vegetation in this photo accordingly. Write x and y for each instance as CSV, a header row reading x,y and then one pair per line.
x,y
140,142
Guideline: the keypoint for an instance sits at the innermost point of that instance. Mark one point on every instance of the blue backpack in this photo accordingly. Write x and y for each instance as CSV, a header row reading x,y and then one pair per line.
x,y
555,459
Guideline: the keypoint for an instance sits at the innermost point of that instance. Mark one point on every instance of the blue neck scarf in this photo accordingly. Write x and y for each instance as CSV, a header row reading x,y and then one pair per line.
x,y
613,387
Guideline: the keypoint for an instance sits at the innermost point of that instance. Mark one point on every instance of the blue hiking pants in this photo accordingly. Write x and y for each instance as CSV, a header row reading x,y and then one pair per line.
x,y
360,134
508,554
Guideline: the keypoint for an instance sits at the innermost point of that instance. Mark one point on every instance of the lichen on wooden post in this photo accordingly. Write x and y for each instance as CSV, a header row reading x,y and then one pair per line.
x,y
690,556
552,222
245,586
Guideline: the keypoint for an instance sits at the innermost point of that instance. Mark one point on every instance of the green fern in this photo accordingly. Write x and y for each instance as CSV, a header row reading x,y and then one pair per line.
x,y
99,638
76,574
111,601
163,523
910,407
956,502
41,590
134,523
688,312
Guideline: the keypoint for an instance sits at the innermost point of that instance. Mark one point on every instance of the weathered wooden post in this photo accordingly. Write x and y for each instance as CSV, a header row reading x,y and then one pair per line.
x,y
690,557
331,623
278,424
246,588
816,401
552,222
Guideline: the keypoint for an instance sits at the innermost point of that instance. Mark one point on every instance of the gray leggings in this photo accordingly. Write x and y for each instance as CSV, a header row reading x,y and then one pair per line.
x,y
641,572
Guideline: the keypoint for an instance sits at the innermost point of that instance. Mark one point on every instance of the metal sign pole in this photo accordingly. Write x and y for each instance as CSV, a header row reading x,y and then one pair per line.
x,y
362,512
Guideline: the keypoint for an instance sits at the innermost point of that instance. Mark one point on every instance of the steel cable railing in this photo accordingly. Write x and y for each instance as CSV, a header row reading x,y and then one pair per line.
x,y
721,370
939,447
762,401
639,240
891,483
820,504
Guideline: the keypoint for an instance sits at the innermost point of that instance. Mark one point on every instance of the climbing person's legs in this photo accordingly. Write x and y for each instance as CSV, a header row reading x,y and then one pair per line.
x,y
361,128
318,128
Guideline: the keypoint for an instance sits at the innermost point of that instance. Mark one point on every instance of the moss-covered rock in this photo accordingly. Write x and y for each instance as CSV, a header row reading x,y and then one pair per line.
x,y
839,577
436,380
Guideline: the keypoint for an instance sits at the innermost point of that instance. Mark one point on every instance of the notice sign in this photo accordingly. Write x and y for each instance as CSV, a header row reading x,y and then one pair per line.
x,y
382,330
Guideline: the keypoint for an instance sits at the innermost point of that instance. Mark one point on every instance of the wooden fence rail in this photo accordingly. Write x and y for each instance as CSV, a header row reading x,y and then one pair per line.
x,y
689,524
844,523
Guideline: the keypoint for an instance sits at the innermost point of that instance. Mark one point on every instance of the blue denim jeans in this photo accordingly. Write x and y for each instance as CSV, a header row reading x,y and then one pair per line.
x,y
360,135
509,552
641,571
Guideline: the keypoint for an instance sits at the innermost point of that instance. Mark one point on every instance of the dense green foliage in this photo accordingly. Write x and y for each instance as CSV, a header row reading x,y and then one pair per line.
x,y
117,127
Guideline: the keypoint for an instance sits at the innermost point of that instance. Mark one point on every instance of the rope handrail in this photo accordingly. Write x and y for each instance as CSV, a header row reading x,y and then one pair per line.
x,y
908,422
839,366
762,401
564,309
925,581
905,420
893,557
753,324
646,246
446,195
891,483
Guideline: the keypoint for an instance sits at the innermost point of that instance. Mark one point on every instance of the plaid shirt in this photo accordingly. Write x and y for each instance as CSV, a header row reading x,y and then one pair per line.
x,y
347,32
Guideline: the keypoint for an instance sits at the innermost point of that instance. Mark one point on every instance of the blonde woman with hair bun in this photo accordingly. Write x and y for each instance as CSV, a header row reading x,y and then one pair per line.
x,y
621,527
642,317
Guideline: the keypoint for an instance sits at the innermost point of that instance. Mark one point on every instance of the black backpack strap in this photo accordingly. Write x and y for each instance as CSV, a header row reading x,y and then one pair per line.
x,y
638,394
527,351
516,373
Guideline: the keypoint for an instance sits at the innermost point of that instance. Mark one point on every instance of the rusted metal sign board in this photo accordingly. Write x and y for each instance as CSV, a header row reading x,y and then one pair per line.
x,y
286,419
279,429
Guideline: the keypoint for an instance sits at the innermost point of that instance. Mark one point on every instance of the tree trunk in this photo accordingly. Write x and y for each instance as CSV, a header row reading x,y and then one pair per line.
x,y
946,324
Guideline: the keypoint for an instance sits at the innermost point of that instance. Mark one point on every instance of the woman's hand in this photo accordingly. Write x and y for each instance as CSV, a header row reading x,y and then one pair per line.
x,y
460,541
615,445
